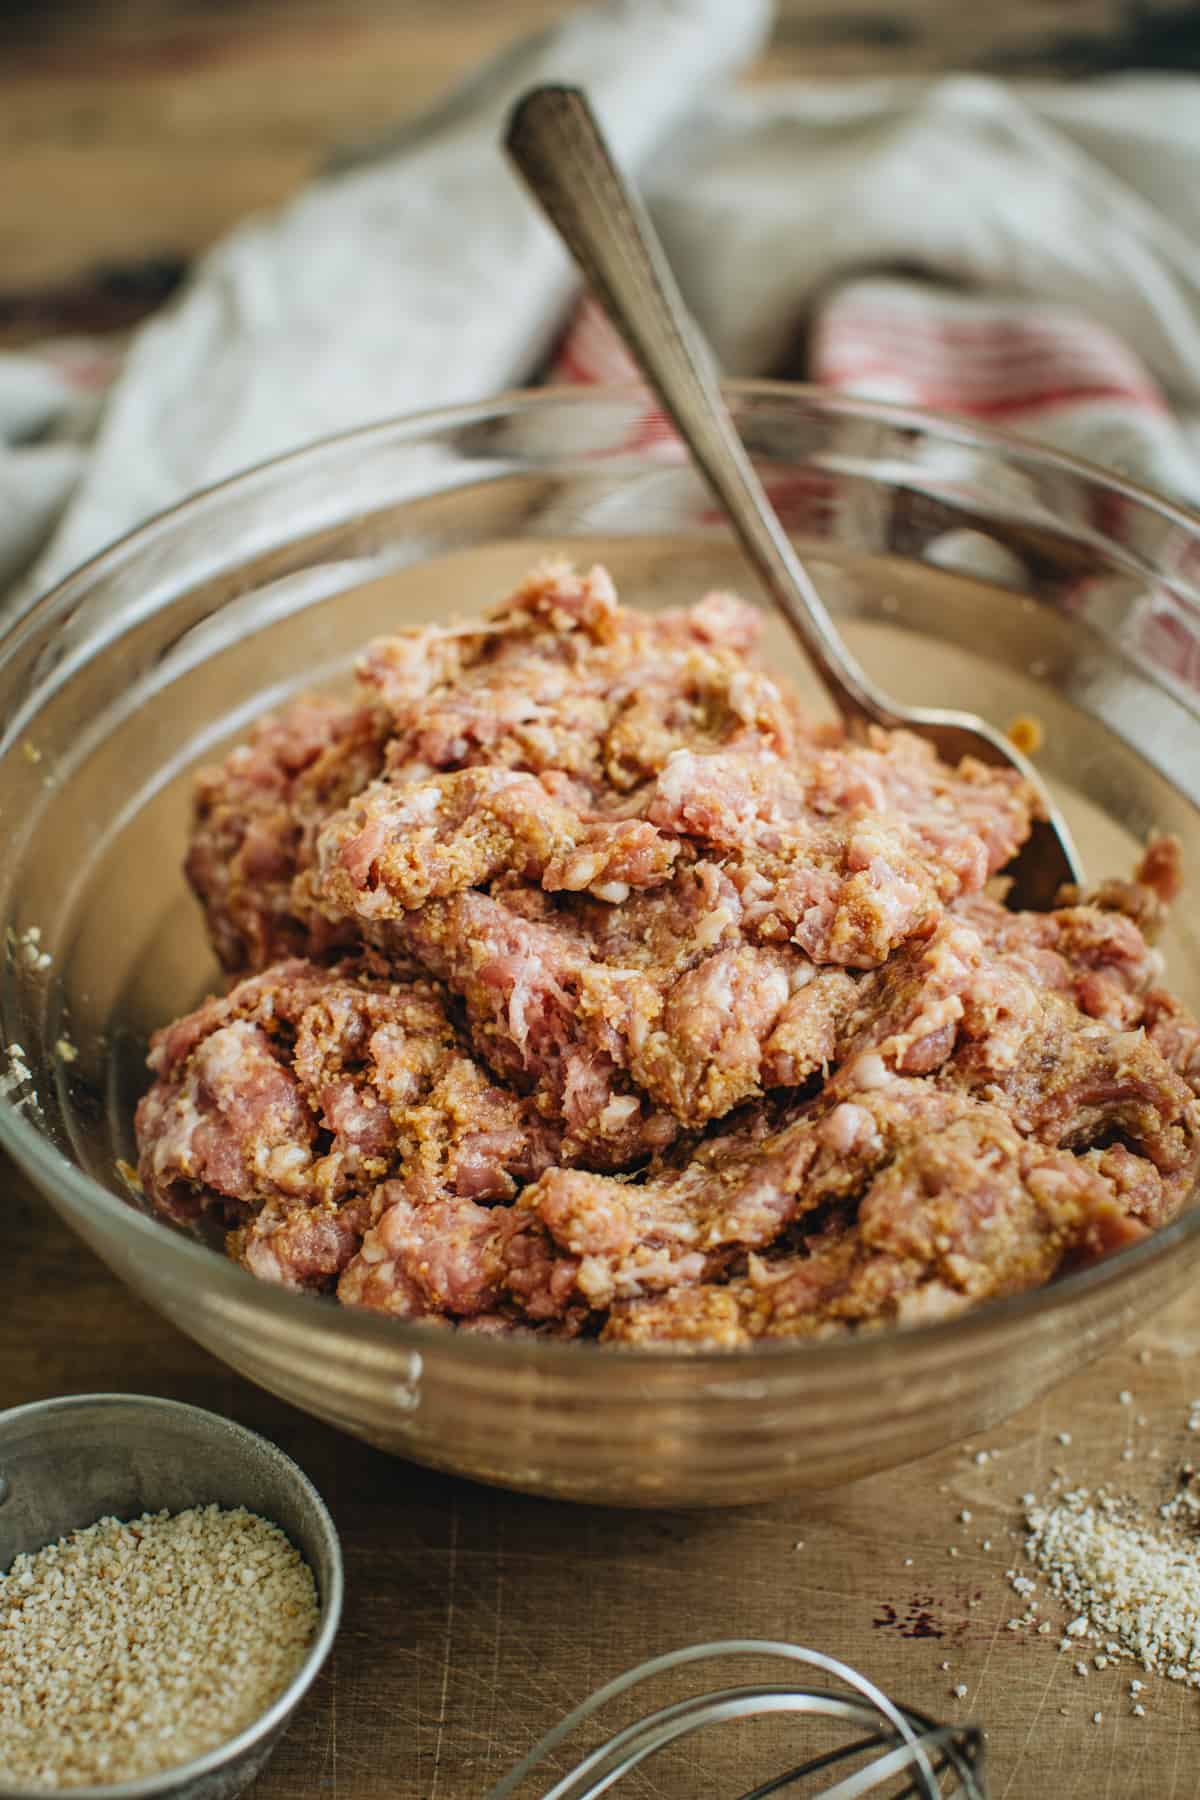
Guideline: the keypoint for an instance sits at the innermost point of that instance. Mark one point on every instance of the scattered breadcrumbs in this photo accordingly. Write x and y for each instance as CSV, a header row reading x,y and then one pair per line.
x,y
129,1175
17,1073
26,946
129,1648
1133,1584
1026,734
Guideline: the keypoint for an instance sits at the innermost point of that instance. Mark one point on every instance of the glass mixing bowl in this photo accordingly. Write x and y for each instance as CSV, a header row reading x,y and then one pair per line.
x,y
966,568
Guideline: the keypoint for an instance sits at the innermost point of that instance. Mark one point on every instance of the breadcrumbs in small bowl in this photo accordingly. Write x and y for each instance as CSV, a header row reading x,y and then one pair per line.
x,y
170,1584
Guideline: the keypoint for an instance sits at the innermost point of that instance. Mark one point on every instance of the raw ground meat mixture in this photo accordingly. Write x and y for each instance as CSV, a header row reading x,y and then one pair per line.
x,y
582,985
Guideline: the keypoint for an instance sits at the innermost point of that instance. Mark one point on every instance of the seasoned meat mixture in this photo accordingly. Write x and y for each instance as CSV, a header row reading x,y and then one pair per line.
x,y
581,984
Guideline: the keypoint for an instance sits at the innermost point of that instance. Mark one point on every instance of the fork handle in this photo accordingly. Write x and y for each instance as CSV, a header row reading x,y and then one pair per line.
x,y
556,144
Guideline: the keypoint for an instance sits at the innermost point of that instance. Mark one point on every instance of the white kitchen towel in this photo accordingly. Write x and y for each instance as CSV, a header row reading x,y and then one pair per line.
x,y
417,277
1028,255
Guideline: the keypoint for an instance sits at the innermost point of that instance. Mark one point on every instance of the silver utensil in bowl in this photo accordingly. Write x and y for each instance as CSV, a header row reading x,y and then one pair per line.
x,y
557,145
66,1463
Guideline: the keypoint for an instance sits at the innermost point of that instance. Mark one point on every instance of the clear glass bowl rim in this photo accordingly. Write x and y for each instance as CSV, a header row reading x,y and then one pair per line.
x,y
52,1170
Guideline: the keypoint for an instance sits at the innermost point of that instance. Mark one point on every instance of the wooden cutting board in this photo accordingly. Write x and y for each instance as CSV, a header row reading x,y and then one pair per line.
x,y
475,1619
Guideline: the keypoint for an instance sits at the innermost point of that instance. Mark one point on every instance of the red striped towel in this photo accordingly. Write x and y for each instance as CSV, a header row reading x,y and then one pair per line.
x,y
1048,372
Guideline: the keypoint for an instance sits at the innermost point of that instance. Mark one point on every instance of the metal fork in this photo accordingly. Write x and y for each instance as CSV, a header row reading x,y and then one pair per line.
x,y
556,144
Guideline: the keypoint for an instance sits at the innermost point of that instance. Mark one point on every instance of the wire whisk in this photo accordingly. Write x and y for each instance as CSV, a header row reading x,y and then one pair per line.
x,y
885,1742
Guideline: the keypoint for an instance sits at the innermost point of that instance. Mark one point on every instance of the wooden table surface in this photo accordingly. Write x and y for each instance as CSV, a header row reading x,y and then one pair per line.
x,y
131,136
133,132
475,1619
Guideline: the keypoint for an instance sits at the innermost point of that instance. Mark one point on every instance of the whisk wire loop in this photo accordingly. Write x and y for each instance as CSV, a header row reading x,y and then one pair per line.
x,y
622,1753
907,1740
943,1739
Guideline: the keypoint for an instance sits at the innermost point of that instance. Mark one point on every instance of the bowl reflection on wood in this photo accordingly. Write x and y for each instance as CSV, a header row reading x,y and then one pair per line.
x,y
156,656
66,1463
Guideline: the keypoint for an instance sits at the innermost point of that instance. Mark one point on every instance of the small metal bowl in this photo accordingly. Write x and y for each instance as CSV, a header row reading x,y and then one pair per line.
x,y
66,1463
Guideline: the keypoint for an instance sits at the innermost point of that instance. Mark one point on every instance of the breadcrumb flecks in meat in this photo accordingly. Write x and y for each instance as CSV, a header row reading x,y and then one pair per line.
x,y
283,1108
960,1214
584,985
254,825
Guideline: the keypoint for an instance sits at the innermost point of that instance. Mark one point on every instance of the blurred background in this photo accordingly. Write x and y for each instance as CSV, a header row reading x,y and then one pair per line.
x,y
135,132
